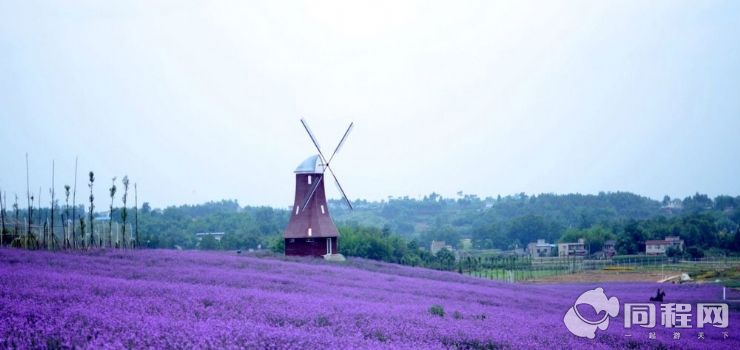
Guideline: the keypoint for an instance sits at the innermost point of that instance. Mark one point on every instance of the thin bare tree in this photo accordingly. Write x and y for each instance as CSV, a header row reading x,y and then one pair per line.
x,y
124,211
53,204
2,218
74,211
53,241
41,217
112,191
45,230
92,208
17,220
82,231
30,204
136,215
65,219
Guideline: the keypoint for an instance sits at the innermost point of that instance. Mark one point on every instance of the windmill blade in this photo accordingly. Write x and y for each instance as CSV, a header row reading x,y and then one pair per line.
x,y
339,187
313,139
341,142
311,192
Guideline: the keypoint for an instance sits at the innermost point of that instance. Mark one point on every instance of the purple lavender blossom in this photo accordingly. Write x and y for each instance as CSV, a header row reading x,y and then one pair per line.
x,y
172,299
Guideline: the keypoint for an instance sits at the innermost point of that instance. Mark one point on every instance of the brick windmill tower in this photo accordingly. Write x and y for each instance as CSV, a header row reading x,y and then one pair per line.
x,y
311,231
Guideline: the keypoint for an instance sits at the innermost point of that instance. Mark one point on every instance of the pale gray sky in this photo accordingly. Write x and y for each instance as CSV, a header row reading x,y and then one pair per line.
x,y
201,101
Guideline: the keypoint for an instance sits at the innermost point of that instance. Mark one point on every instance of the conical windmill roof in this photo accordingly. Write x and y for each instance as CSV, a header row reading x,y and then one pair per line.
x,y
312,165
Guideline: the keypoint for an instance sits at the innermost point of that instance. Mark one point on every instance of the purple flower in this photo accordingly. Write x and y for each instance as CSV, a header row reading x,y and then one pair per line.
x,y
174,299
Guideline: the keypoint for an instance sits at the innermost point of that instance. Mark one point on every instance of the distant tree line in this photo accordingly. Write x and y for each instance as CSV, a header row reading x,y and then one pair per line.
x,y
244,227
707,225
394,229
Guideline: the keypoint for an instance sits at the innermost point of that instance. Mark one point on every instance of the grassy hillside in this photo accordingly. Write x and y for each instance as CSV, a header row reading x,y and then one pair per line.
x,y
183,299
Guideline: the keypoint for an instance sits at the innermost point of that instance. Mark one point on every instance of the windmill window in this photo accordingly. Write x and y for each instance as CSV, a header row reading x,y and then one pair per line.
x,y
309,179
296,210
322,209
309,232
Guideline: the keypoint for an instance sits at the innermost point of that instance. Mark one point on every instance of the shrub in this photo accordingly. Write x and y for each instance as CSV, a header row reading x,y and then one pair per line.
x,y
437,310
322,321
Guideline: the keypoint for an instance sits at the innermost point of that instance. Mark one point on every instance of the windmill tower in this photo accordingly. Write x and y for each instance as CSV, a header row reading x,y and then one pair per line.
x,y
311,231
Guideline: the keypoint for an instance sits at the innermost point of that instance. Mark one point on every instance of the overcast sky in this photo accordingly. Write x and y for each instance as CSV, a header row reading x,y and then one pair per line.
x,y
200,101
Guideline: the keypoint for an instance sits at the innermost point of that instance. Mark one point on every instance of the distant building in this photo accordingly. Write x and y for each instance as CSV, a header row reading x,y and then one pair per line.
x,y
466,243
217,235
436,246
518,252
675,204
609,248
572,249
540,248
659,247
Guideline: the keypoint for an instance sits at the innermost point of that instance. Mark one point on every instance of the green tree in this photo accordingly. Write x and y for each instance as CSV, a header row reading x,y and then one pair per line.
x,y
632,240
277,244
446,259
672,252
209,242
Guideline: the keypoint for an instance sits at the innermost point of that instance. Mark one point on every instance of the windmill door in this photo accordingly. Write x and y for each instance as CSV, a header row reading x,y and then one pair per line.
x,y
328,245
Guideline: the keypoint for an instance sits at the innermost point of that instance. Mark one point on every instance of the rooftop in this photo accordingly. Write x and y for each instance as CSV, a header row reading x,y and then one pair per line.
x,y
312,165
210,234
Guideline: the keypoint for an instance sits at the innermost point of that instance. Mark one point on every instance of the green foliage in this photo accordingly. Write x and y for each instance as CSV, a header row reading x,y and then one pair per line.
x,y
437,310
245,228
446,259
372,243
400,230
595,236
643,258
694,253
208,242
672,252
277,244
632,239
501,222
366,242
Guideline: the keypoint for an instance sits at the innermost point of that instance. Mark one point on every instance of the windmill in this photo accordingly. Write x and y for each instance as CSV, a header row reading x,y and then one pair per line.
x,y
311,231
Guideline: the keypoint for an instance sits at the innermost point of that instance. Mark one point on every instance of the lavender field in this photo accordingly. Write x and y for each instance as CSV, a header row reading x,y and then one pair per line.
x,y
174,299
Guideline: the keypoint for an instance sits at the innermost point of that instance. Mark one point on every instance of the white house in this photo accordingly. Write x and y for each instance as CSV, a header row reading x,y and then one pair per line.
x,y
540,248
659,247
436,246
572,249
217,235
